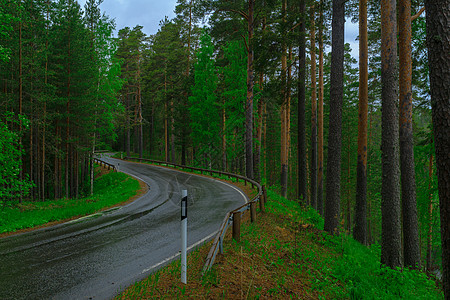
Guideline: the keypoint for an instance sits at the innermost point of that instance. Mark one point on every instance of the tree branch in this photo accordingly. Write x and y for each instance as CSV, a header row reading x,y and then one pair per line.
x,y
243,14
245,42
418,14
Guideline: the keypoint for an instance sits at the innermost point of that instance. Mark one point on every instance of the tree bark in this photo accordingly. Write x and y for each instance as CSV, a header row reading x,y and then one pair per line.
x,y
283,113
67,118
408,183
332,207
257,166
249,104
320,116
430,215
438,12
313,111
20,104
301,151
390,192
360,230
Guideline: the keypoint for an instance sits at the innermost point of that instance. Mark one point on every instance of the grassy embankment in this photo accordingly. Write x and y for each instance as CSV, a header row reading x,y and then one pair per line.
x,y
287,255
110,189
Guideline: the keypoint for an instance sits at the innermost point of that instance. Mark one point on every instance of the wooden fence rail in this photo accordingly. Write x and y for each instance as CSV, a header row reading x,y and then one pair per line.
x,y
232,217
105,164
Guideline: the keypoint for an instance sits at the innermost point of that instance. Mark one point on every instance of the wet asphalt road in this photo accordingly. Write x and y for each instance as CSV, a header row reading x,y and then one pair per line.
x,y
99,256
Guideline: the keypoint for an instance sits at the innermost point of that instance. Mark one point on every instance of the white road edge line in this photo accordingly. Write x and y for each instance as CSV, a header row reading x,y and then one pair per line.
x,y
178,254
202,240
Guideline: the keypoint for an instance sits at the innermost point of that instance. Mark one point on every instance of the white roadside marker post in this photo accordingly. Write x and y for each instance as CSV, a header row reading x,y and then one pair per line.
x,y
183,235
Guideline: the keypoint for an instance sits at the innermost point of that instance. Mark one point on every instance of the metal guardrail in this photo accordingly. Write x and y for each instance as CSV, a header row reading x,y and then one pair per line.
x,y
105,164
228,220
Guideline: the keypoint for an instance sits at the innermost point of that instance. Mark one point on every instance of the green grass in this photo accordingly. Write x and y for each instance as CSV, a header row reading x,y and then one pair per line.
x,y
286,254
109,190
357,267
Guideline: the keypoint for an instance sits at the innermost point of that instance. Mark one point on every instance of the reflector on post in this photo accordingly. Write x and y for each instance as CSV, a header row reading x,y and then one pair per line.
x,y
184,205
183,236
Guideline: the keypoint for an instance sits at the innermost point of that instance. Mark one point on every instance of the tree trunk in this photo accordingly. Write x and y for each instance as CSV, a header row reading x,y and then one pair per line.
x,y
249,105
437,15
259,132
430,215
67,121
141,132
166,122
390,192
172,134
313,111
360,230
20,104
301,151
408,183
320,116
333,184
283,112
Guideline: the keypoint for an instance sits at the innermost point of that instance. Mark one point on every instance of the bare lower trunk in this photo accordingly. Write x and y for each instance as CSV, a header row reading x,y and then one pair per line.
x,y
320,118
249,105
313,112
360,230
390,190
408,182
333,186
438,31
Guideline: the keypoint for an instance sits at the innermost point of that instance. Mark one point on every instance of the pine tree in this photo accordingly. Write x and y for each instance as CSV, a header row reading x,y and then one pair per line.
x,y
332,204
439,64
203,106
390,193
408,181
360,231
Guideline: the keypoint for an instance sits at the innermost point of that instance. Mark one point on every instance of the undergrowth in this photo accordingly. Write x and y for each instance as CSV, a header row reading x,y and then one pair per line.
x,y
287,255
109,190
358,267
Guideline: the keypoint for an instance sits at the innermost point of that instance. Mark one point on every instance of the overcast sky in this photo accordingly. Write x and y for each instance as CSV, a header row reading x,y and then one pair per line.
x,y
149,13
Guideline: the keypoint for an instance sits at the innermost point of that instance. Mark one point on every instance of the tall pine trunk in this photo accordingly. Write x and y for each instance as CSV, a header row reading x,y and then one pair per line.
x,y
20,103
301,151
430,215
67,119
438,33
249,105
284,113
333,184
313,111
408,183
390,191
320,116
360,230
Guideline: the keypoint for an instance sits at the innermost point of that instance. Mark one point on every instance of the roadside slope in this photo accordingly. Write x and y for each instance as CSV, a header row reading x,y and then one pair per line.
x,y
286,255
110,190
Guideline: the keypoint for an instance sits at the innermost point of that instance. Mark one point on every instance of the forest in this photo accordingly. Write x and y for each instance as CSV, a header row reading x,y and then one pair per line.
x,y
266,89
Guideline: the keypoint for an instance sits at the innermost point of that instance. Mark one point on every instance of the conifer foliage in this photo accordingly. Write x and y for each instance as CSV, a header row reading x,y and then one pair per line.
x,y
236,95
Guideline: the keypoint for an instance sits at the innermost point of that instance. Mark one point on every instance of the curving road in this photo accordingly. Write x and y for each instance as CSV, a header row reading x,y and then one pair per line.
x,y
98,256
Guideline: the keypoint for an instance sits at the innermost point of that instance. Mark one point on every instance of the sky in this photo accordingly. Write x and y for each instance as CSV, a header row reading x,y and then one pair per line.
x,y
149,13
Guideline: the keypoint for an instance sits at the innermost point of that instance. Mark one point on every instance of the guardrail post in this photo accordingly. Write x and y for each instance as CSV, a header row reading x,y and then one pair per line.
x,y
220,245
253,212
237,226
264,194
261,204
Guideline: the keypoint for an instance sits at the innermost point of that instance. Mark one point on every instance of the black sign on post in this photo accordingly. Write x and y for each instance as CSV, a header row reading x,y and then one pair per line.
x,y
183,208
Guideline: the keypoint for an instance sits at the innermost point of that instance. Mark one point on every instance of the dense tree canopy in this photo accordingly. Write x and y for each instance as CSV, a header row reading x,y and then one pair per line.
x,y
235,94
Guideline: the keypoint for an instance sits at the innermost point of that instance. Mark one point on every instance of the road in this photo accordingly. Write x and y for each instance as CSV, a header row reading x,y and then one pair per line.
x,y
98,256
